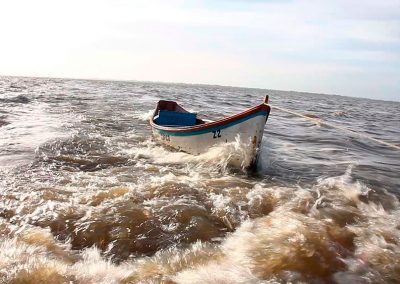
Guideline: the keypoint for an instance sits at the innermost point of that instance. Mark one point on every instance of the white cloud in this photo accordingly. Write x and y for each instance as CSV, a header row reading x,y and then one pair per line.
x,y
300,45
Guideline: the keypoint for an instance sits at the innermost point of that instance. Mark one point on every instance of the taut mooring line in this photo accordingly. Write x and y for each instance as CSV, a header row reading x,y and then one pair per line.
x,y
319,121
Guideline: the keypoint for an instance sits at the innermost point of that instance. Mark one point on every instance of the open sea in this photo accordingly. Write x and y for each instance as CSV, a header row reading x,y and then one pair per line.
x,y
86,195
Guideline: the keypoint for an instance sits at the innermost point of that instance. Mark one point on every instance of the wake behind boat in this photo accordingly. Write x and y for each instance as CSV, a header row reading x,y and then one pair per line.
x,y
176,127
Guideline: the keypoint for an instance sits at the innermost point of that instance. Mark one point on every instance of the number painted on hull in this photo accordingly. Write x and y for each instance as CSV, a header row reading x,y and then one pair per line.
x,y
165,137
217,133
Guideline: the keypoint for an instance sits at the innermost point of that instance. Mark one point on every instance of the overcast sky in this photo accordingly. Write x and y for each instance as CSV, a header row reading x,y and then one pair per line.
x,y
338,47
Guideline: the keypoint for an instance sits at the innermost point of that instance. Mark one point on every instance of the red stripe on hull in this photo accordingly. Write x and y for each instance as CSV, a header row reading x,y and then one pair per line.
x,y
261,107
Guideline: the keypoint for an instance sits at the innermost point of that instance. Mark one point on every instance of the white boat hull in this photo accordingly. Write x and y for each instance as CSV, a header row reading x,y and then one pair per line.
x,y
248,126
250,131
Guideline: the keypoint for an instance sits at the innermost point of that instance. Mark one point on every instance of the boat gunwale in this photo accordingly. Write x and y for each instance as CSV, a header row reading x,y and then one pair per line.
x,y
262,107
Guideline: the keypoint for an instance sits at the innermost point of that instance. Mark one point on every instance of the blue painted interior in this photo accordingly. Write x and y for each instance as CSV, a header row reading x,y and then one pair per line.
x,y
198,132
173,118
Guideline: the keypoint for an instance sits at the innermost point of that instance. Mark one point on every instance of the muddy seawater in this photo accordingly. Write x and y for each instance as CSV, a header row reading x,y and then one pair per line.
x,y
88,197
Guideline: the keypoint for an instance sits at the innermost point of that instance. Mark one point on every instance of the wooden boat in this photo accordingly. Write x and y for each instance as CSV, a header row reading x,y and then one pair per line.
x,y
174,126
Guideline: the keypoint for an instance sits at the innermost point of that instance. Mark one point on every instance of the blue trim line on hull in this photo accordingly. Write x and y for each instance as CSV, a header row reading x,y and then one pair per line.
x,y
208,130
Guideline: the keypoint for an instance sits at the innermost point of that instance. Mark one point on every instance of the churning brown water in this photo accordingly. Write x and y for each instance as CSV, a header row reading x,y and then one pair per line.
x,y
88,197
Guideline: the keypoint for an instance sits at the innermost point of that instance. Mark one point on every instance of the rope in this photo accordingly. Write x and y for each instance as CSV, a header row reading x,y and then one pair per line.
x,y
320,122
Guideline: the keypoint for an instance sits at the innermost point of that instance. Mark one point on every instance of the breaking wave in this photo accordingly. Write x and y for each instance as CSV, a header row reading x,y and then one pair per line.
x,y
330,231
96,200
237,154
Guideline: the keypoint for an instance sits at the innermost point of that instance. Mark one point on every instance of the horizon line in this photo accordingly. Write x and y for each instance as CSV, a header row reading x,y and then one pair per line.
x,y
191,83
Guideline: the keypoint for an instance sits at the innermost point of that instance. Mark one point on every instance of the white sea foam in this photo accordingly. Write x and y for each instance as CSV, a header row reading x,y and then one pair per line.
x,y
295,238
237,154
29,128
138,214
143,115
